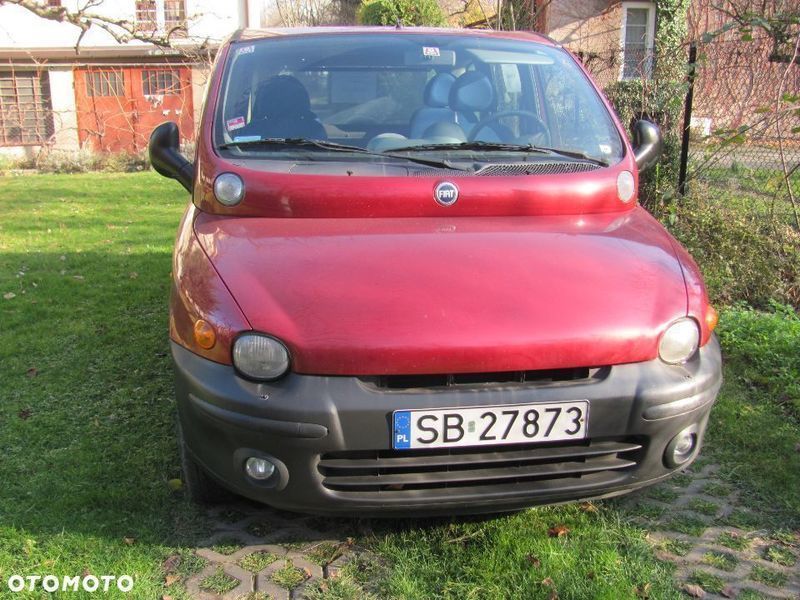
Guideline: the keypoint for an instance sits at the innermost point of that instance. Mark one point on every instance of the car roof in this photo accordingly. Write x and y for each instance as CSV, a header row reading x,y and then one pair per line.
x,y
257,34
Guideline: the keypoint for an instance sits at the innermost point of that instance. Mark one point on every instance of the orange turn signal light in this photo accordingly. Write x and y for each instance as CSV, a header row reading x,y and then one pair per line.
x,y
712,317
204,334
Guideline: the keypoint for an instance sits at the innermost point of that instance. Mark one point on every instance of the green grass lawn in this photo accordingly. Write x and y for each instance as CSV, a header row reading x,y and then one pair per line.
x,y
87,446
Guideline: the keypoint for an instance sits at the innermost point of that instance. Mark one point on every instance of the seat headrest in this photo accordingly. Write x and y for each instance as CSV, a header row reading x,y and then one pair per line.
x,y
472,91
437,91
280,96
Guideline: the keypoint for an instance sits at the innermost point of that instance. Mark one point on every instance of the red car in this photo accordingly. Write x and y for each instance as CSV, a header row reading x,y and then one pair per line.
x,y
414,278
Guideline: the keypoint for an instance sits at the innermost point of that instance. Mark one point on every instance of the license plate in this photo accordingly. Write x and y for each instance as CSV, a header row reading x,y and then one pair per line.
x,y
490,425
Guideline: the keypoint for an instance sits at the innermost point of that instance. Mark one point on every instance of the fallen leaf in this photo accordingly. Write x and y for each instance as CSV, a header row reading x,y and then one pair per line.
x,y
165,597
590,575
588,507
533,561
32,372
558,531
25,414
175,485
129,541
553,595
547,582
695,591
170,579
642,591
728,592
171,563
9,295
62,257
78,277
133,275
86,573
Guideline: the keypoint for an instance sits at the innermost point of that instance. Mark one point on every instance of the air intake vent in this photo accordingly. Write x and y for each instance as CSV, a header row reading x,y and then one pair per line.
x,y
537,168
542,377
511,169
540,467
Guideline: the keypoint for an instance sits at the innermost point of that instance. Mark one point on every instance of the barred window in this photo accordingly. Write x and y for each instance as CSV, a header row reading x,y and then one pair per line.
x,y
146,16
107,82
637,39
160,81
174,16
26,115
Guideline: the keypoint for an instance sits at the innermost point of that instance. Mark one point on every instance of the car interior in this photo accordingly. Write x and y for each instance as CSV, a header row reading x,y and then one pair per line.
x,y
410,95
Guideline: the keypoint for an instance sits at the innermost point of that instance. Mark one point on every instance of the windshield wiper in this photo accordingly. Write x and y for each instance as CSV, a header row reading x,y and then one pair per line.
x,y
325,145
501,146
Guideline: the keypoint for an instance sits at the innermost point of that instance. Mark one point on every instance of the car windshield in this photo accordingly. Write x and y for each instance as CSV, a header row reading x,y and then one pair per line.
x,y
410,95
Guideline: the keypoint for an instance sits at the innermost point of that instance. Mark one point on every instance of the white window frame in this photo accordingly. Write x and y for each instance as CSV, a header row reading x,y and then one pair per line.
x,y
649,36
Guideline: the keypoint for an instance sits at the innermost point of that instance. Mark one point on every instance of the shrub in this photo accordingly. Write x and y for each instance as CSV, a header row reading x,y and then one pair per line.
x,y
744,256
406,12
63,161
83,161
661,103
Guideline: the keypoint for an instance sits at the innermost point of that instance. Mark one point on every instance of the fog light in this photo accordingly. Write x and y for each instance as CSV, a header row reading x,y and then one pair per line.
x,y
259,468
681,447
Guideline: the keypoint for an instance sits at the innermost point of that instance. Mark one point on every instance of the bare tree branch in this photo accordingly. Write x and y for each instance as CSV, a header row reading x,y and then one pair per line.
x,y
122,31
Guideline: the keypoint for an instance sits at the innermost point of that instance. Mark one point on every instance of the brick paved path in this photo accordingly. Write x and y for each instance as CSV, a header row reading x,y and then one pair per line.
x,y
701,524
257,553
695,520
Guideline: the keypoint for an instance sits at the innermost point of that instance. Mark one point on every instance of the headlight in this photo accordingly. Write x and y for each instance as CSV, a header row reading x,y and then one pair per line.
x,y
679,342
259,356
229,189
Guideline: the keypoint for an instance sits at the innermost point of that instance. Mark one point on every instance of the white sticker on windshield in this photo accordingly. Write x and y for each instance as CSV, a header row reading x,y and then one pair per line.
x,y
604,148
246,50
246,138
235,123
430,51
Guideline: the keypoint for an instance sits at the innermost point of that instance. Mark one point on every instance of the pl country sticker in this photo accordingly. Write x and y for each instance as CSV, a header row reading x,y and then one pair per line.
x,y
235,123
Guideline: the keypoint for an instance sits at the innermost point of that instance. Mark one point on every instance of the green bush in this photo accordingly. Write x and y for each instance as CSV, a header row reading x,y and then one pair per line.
x,y
406,12
744,255
661,103
84,161
767,347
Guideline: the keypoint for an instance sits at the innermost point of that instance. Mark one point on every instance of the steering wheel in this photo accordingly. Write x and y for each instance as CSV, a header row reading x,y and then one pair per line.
x,y
480,125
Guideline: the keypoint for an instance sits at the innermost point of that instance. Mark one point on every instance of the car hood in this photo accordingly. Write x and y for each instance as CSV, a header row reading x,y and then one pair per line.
x,y
452,295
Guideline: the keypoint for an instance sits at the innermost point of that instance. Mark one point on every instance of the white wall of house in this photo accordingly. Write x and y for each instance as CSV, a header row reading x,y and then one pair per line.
x,y
65,119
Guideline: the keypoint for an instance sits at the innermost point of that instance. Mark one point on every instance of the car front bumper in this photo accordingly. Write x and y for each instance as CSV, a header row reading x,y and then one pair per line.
x,y
323,433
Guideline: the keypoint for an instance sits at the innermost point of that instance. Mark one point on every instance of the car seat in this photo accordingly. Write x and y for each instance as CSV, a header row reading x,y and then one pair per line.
x,y
282,109
435,97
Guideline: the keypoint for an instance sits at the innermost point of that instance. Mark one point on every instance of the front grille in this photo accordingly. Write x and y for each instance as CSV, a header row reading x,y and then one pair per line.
x,y
539,377
542,467
555,167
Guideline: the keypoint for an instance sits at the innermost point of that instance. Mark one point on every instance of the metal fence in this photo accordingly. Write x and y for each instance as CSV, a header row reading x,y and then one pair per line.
x,y
743,139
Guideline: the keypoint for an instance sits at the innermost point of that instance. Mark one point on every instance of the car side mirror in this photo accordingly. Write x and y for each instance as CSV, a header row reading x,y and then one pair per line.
x,y
647,144
166,157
